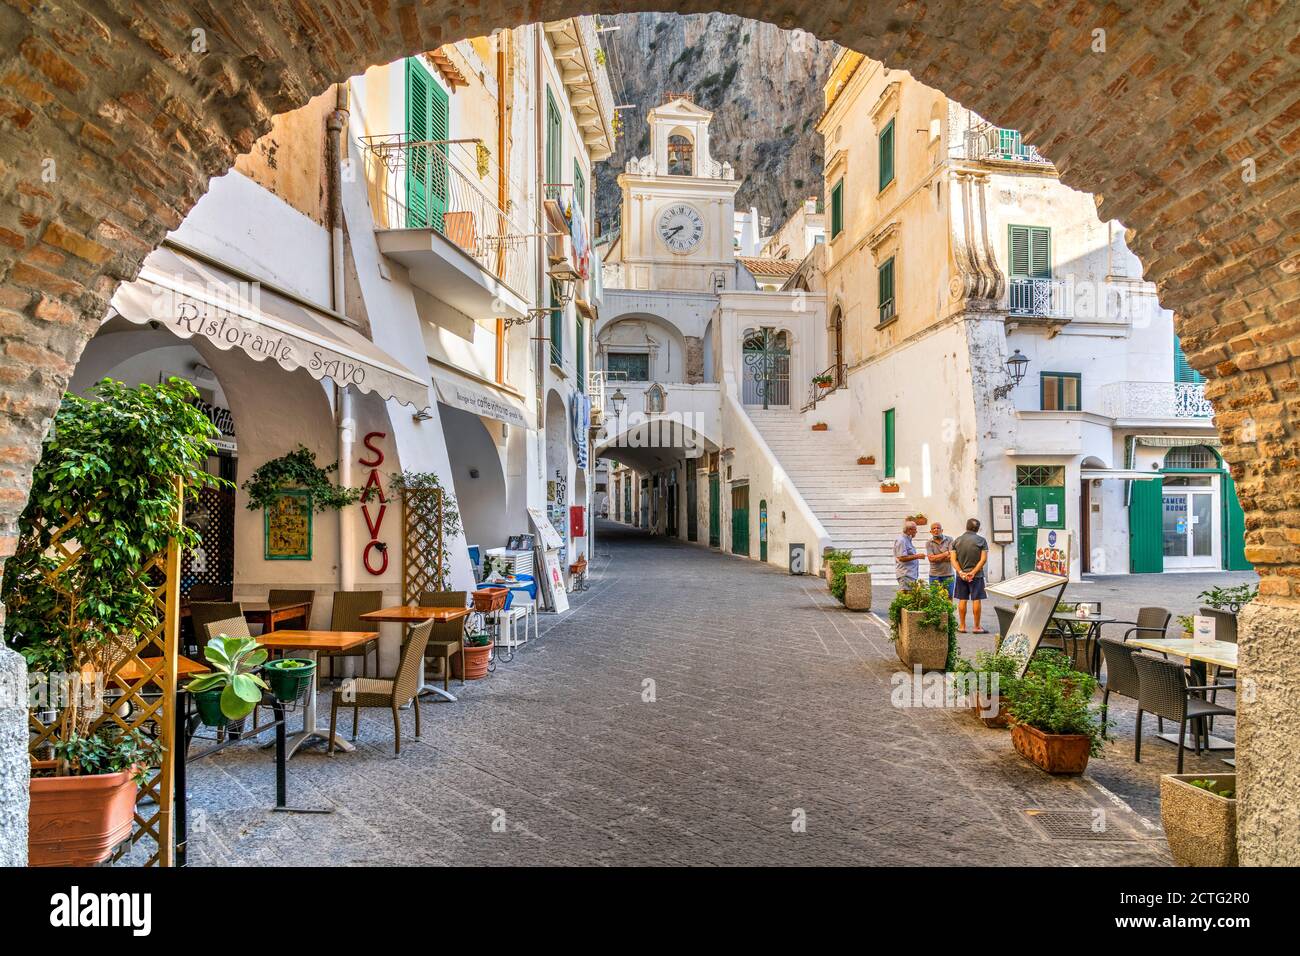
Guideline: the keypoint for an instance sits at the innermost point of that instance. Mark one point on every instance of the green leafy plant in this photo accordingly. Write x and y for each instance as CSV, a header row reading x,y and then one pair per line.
x,y
298,471
233,660
838,581
990,662
1215,788
823,380
1056,699
108,749
481,639
115,468
937,611
1231,599
1187,622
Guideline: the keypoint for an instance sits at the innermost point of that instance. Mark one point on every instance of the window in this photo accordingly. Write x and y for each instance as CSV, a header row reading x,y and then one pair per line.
x,y
1030,254
426,168
580,352
554,148
579,188
557,328
837,208
1191,456
885,291
1182,371
885,143
1060,391
635,365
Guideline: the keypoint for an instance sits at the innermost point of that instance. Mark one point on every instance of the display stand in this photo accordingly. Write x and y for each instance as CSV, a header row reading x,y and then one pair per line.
x,y
1038,593
551,581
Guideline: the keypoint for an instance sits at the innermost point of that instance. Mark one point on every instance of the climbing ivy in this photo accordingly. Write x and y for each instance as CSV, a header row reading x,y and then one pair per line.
x,y
298,471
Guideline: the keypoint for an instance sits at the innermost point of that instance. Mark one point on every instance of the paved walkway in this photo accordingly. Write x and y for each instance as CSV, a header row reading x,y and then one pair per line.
x,y
770,738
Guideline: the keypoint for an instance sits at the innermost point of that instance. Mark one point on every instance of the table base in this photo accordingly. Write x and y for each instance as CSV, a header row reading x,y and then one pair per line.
x,y
1216,743
430,689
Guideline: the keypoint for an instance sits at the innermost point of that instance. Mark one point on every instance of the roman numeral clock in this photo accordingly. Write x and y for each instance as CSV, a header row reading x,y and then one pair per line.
x,y
681,227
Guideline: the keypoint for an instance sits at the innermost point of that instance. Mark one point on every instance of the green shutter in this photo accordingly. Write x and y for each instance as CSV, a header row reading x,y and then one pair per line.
x,y
1030,255
580,353
426,169
1145,536
1019,254
889,443
1183,372
554,146
1234,528
886,146
557,329
579,187
837,209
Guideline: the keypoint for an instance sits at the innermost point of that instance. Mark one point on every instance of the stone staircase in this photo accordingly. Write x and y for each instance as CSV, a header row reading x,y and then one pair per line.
x,y
844,495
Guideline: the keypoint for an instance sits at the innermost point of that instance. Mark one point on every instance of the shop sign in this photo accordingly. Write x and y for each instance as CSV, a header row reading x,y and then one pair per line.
x,y
375,554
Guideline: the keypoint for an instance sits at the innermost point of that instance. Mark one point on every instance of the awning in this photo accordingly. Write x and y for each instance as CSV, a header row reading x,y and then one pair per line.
x,y
461,391
1125,474
1177,441
194,299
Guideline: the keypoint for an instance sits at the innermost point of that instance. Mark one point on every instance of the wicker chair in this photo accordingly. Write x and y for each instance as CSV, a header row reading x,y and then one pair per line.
x,y
1163,691
290,596
448,638
1152,623
1225,629
1121,673
202,613
212,592
346,616
382,692
231,627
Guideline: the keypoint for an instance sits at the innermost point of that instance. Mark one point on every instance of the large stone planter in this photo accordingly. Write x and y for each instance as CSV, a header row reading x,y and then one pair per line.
x,y
926,646
1201,826
857,591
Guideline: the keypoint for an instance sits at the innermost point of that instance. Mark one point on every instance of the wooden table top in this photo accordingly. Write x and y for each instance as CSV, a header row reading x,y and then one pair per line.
x,y
316,640
1219,653
132,670
406,614
255,607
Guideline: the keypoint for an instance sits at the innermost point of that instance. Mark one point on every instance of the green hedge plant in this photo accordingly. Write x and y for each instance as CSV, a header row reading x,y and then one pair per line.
x,y
937,611
838,584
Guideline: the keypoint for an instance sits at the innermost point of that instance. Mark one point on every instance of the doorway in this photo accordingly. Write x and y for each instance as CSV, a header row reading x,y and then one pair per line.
x,y
1040,503
1189,536
740,519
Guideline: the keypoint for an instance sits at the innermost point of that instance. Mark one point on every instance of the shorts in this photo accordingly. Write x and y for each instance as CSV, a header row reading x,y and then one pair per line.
x,y
970,590
947,581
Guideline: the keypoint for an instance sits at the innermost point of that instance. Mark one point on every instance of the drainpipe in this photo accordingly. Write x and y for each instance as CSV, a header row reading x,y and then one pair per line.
x,y
344,416
540,123
503,187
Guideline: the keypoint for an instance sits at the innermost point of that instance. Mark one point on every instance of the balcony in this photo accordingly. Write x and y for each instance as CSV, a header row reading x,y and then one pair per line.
x,y
997,144
581,61
1039,298
434,216
1156,401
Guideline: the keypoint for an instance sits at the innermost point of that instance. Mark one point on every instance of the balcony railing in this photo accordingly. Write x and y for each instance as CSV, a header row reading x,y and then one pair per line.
x,y
1036,297
1155,400
419,185
998,143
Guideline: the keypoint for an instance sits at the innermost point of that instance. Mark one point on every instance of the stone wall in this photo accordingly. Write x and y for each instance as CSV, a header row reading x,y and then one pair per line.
x,y
14,765
1184,117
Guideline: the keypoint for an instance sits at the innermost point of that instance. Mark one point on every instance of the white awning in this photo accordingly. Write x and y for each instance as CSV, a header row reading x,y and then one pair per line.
x,y
478,398
192,298
1124,474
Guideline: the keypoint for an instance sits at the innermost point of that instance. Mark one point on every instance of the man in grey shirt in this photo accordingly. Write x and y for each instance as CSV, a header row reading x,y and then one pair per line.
x,y
970,553
906,569
938,550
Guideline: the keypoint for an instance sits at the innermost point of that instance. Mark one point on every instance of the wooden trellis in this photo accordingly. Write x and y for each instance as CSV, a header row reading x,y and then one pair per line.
x,y
139,681
423,554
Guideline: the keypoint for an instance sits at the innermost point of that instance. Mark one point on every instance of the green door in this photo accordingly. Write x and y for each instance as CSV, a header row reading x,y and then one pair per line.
x,y
1145,541
1234,528
889,443
715,511
1040,503
426,167
762,530
740,520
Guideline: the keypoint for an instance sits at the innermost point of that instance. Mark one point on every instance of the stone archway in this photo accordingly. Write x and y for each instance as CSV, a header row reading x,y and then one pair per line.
x,y
113,119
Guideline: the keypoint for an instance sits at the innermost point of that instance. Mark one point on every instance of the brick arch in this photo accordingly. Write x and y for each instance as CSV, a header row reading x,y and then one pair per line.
x,y
112,119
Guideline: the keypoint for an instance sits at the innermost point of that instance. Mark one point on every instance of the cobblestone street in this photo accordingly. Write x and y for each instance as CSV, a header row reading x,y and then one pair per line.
x,y
771,707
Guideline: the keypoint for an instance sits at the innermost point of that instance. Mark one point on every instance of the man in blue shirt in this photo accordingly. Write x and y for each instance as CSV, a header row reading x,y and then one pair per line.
x,y
906,569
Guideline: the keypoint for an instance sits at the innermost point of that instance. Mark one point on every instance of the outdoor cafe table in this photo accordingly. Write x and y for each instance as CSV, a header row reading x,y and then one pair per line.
x,y
409,615
1091,640
310,643
1219,653
266,614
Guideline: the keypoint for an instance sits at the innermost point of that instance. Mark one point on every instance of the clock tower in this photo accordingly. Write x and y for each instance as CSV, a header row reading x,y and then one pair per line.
x,y
678,207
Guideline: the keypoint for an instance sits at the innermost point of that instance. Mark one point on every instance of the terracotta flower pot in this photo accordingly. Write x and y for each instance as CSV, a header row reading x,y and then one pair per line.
x,y
867,460
927,646
984,703
820,427
889,488
475,665
1201,826
76,821
1055,753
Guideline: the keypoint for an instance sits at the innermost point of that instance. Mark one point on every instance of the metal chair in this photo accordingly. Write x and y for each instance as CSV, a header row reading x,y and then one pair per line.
x,y
1163,691
448,637
345,615
279,596
202,613
382,692
1121,674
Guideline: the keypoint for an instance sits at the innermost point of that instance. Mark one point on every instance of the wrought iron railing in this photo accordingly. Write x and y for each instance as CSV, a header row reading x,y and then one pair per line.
x,y
999,143
422,185
1155,400
823,383
1037,297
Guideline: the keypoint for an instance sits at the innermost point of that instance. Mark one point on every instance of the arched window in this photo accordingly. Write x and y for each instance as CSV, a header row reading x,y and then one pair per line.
x,y
681,155
1191,456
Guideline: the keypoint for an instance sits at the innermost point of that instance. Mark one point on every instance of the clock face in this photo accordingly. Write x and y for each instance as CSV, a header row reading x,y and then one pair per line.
x,y
681,227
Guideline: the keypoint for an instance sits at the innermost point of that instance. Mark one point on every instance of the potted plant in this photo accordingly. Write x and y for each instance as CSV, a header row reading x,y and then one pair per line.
x,y
841,572
867,460
923,626
232,689
820,427
477,654
823,380
889,487
1231,599
289,677
832,560
83,801
1199,813
984,682
919,518
119,463
1054,725
1188,623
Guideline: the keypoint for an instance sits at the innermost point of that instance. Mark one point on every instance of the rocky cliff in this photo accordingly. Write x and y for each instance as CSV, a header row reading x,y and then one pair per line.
x,y
763,84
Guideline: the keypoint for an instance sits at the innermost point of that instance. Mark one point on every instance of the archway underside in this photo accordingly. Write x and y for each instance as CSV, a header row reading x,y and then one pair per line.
x,y
111,125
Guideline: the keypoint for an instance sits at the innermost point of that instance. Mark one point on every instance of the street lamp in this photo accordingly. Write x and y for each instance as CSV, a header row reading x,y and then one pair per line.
x,y
618,400
1015,373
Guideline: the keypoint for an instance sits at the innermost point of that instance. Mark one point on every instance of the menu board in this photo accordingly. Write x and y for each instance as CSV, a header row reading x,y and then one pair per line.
x,y
1038,592
549,542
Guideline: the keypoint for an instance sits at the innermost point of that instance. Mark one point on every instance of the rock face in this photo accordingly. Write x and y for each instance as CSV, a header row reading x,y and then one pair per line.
x,y
763,84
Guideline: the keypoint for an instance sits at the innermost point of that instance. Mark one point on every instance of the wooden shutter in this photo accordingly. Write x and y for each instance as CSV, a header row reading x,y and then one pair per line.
x,y
837,209
1031,252
426,166
554,145
579,187
885,283
886,143
1183,372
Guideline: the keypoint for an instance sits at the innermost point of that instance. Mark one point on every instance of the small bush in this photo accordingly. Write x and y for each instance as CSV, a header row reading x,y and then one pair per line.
x,y
838,570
